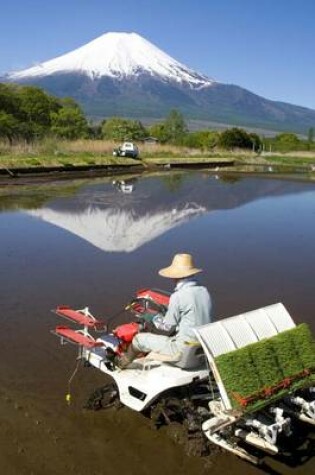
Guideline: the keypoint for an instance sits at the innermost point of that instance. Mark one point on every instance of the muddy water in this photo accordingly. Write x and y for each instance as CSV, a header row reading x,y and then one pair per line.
x,y
94,243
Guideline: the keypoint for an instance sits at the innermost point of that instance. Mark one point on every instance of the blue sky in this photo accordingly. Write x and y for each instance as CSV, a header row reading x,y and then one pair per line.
x,y
266,46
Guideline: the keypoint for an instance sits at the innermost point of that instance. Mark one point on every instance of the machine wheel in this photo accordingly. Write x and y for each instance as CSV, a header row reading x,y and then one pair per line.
x,y
183,425
165,412
103,398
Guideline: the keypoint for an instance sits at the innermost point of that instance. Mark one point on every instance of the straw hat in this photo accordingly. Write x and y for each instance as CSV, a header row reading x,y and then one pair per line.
x,y
182,266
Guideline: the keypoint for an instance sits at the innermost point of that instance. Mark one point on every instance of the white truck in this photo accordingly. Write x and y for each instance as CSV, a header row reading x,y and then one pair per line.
x,y
127,149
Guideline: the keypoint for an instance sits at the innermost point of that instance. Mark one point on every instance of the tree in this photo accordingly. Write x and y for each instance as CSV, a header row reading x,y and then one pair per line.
x,y
136,130
158,131
119,129
203,139
36,106
69,122
9,126
9,101
34,113
286,142
235,138
95,131
310,139
175,127
27,112
256,142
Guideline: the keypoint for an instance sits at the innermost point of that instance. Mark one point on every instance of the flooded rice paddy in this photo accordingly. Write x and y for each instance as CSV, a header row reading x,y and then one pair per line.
x,y
95,243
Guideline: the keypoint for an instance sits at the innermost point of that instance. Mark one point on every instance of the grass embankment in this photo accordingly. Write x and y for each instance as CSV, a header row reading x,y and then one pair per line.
x,y
290,158
51,153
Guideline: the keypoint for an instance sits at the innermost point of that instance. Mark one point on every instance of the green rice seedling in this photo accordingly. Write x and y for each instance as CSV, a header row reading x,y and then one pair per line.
x,y
239,374
305,345
286,353
267,370
266,363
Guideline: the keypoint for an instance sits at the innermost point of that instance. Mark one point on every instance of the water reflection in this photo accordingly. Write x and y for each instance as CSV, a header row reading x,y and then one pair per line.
x,y
87,243
115,229
125,186
123,215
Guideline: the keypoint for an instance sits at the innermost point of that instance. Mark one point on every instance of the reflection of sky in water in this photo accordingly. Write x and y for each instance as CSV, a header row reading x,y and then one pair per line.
x,y
118,223
269,231
254,238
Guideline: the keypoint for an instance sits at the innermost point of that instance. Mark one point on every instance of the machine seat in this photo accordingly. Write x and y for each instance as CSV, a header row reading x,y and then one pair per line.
x,y
192,357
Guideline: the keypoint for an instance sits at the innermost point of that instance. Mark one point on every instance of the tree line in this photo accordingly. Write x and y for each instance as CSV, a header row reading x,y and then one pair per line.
x,y
28,113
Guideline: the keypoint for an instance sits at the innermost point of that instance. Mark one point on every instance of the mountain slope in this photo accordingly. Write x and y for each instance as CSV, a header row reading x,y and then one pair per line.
x,y
124,74
117,55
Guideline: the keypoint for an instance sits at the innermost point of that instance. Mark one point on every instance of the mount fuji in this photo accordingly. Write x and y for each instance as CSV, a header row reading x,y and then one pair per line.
x,y
124,74
117,55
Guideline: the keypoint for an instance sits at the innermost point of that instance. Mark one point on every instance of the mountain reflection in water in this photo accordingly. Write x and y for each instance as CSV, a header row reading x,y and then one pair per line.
x,y
122,223
118,230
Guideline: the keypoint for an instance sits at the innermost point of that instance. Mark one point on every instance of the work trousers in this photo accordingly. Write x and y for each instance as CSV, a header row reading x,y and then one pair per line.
x,y
146,342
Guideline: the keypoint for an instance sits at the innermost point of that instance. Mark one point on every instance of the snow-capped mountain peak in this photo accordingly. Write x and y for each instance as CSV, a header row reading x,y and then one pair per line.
x,y
117,55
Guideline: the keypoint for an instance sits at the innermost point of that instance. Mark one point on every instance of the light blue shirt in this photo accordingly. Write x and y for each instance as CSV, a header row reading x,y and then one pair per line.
x,y
189,307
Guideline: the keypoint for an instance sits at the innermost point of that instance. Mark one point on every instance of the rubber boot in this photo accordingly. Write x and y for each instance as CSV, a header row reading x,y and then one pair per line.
x,y
124,360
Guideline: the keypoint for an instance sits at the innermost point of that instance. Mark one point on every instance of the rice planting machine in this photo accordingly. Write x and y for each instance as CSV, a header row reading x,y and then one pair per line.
x,y
247,385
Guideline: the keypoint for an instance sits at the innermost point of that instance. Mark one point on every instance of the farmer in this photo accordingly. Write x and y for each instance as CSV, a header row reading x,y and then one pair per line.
x,y
189,307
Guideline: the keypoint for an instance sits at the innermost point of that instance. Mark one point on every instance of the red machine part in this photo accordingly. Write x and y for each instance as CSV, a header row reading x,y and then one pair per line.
x,y
159,296
78,338
270,390
150,301
78,317
147,301
127,331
